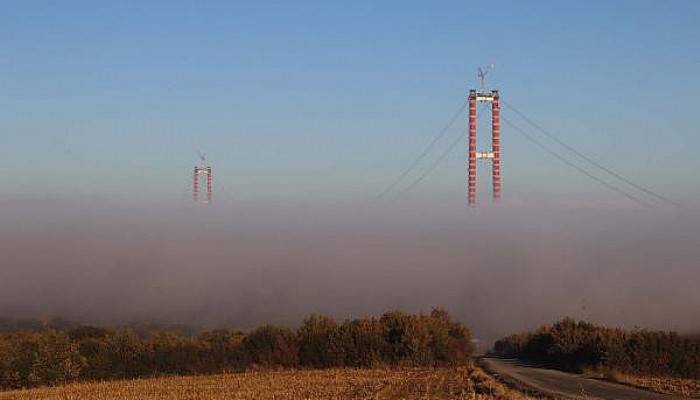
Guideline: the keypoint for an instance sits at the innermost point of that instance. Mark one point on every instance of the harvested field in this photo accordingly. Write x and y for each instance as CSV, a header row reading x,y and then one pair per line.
x,y
379,384
681,387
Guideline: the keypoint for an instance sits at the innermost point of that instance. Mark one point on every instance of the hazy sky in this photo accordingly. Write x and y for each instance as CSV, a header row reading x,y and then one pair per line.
x,y
328,101
307,110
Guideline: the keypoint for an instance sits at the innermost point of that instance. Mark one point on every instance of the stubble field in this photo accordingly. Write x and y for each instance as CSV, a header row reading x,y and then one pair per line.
x,y
379,384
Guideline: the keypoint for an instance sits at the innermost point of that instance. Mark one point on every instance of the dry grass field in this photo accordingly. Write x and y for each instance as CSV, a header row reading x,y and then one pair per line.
x,y
379,384
683,387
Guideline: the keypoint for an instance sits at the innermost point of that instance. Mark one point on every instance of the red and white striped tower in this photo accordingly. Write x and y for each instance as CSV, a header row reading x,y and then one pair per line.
x,y
496,145
202,171
494,156
209,189
471,169
195,184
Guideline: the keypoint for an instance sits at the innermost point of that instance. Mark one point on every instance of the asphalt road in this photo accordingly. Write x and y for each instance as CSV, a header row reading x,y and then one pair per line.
x,y
564,385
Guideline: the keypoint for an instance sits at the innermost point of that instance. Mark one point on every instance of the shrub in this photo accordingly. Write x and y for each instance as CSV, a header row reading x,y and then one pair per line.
x,y
171,354
221,350
31,359
359,343
575,346
271,346
315,338
451,342
48,357
127,355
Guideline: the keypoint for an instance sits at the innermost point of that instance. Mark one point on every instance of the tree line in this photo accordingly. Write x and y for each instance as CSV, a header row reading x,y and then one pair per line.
x,y
30,358
577,346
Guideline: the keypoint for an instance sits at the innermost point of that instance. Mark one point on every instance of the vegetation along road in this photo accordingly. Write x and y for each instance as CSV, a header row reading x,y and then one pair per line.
x,y
561,384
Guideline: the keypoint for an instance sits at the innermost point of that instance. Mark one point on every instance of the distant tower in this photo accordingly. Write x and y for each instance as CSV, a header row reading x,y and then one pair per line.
x,y
475,97
201,172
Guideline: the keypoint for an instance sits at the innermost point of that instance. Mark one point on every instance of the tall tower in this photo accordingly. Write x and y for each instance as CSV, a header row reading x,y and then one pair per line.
x,y
476,97
202,172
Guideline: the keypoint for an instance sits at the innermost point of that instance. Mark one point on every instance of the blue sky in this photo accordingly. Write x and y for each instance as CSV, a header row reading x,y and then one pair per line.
x,y
330,101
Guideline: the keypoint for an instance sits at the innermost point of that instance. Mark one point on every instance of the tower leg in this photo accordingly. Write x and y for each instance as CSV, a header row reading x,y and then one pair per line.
x,y
209,185
471,180
496,147
195,184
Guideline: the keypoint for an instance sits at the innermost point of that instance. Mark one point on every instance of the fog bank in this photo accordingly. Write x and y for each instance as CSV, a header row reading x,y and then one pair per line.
x,y
239,265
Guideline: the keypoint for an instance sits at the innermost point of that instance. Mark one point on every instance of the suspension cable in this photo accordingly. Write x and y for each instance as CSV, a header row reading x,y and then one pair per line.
x,y
422,155
574,166
434,165
590,160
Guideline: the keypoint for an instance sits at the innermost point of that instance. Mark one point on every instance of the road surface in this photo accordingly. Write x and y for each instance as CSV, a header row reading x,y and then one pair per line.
x,y
564,385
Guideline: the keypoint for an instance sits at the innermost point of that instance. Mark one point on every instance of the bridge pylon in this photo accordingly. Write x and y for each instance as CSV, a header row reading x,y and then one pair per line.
x,y
202,172
494,155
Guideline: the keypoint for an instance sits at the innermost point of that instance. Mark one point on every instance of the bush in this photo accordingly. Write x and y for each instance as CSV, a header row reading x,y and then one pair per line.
x,y
31,359
49,357
575,346
359,343
221,350
172,354
451,342
271,346
315,338
127,355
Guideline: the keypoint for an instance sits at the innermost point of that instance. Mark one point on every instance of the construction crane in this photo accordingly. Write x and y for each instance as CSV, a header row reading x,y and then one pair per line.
x,y
482,72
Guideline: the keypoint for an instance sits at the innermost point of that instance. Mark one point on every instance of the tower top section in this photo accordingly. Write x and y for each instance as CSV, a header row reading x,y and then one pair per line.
x,y
485,96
